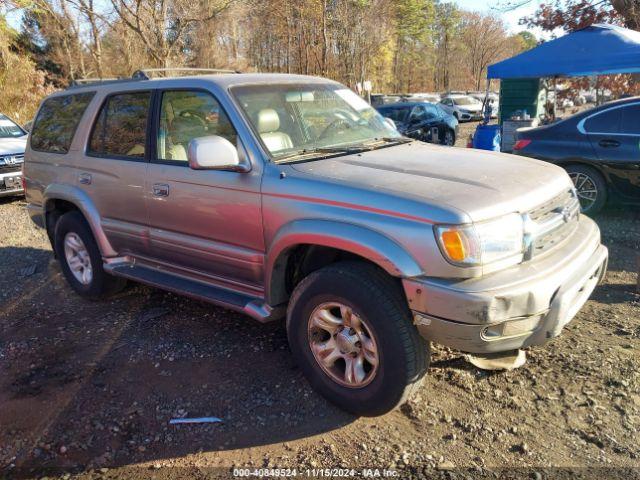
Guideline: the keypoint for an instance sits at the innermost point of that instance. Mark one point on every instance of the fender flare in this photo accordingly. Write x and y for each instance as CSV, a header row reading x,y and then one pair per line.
x,y
370,244
82,201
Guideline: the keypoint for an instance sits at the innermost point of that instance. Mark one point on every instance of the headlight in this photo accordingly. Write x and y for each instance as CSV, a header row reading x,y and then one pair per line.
x,y
482,243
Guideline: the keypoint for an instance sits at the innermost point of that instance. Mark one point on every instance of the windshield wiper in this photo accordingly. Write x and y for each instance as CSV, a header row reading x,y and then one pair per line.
x,y
345,149
306,152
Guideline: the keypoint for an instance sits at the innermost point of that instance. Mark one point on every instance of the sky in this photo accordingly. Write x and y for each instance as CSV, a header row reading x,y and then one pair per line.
x,y
496,7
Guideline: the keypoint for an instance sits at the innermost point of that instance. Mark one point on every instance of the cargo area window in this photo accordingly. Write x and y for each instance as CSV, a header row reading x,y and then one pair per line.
x,y
120,130
57,121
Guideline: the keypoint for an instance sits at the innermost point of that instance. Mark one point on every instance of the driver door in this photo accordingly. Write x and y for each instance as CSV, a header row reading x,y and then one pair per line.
x,y
204,223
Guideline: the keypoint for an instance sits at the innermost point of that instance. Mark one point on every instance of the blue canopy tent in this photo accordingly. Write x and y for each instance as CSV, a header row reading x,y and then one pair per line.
x,y
599,49
595,50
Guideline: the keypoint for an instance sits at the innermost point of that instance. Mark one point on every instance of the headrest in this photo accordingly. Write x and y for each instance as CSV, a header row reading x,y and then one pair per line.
x,y
183,129
268,121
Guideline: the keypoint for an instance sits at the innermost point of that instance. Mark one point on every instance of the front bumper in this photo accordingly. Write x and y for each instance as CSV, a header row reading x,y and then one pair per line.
x,y
518,307
11,184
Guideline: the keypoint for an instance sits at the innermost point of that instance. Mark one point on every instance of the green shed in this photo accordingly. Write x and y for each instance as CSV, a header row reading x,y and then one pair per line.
x,y
522,94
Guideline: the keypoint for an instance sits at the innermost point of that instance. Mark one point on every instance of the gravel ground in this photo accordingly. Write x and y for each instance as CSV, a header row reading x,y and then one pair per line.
x,y
87,388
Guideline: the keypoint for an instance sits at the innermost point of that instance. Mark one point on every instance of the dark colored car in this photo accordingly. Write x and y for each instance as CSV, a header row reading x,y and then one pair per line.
x,y
599,148
422,121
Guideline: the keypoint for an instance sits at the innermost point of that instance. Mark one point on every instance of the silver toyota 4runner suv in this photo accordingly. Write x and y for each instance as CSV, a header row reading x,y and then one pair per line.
x,y
283,195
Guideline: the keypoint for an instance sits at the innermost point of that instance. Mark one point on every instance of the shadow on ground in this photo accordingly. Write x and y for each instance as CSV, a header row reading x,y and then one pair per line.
x,y
94,384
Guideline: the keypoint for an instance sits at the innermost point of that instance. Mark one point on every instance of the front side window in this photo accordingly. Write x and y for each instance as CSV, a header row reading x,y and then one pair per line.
x,y
57,121
608,121
185,115
296,118
121,127
9,129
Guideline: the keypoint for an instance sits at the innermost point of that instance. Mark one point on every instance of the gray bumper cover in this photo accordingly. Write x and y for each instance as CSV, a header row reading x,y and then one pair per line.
x,y
518,307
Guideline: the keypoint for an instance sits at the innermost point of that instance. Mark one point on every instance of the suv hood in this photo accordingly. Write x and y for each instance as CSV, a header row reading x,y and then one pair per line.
x,y
11,146
480,183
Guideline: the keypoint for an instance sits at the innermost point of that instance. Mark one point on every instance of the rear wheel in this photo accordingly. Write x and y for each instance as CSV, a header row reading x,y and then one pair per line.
x,y
351,333
590,187
80,258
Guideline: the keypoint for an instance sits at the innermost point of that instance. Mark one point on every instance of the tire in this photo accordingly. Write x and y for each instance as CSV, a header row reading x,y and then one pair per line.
x,y
587,180
378,301
452,138
73,229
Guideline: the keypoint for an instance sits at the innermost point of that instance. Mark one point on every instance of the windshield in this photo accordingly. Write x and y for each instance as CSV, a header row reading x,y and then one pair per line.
x,y
300,118
9,129
465,101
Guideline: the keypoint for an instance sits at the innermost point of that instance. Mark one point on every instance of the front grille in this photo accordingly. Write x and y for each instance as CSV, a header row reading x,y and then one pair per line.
x,y
11,163
10,168
551,223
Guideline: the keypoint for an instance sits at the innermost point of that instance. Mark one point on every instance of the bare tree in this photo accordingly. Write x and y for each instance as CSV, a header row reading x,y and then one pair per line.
x,y
162,25
484,39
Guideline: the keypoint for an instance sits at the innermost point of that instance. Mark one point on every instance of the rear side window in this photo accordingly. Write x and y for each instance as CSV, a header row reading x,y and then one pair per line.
x,y
121,127
608,121
57,121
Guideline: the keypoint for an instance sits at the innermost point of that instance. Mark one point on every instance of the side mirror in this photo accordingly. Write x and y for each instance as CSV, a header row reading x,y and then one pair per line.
x,y
214,153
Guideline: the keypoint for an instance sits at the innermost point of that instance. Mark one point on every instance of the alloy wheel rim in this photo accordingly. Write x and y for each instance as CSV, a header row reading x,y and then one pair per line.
x,y
343,345
586,190
448,138
78,259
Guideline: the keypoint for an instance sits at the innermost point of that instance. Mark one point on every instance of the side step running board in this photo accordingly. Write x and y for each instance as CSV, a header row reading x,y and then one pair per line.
x,y
252,306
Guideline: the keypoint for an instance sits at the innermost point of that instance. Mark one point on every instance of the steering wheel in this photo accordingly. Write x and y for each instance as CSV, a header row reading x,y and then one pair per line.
x,y
339,124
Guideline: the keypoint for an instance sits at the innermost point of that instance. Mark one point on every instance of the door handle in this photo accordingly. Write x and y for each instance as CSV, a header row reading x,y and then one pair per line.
x,y
160,190
609,143
84,178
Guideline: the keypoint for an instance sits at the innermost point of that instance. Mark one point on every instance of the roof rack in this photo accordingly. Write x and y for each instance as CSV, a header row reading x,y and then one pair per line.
x,y
81,82
144,74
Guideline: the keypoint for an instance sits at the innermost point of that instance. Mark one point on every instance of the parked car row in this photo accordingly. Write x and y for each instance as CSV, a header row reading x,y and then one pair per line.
x,y
464,106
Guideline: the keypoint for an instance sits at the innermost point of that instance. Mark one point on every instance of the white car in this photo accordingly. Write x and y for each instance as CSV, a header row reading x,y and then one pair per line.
x,y
13,141
493,102
463,107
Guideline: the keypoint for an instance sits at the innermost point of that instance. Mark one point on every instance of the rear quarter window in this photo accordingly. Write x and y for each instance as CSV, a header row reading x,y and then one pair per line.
x,y
57,121
606,122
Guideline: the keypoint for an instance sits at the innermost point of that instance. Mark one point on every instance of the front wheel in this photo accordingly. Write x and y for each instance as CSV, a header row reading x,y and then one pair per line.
x,y
449,138
350,331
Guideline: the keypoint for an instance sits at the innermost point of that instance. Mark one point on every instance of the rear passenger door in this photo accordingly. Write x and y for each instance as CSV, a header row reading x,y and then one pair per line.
x,y
113,168
203,223
615,136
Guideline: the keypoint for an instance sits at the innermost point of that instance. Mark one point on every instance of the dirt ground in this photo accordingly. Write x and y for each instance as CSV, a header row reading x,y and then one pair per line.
x,y
87,388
